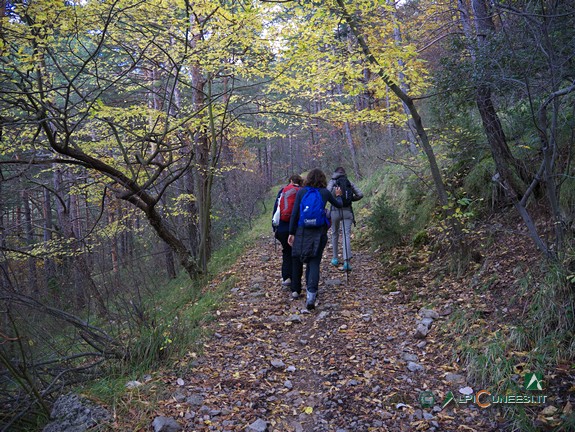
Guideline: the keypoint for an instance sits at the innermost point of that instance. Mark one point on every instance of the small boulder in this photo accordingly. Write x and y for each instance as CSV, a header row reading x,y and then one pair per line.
x,y
409,357
426,322
428,313
414,367
277,363
421,331
71,413
258,426
165,424
455,378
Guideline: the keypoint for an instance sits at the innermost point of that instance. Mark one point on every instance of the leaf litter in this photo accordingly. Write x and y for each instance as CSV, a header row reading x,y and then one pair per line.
x,y
344,367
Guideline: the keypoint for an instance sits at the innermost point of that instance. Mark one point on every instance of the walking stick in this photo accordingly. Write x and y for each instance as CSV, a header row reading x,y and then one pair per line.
x,y
345,254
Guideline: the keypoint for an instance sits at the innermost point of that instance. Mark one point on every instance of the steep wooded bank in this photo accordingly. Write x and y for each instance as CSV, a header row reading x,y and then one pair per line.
x,y
138,139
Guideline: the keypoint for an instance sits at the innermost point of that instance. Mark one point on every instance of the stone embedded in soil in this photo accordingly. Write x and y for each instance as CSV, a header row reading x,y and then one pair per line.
x,y
195,400
455,378
426,322
278,363
409,357
165,424
414,367
258,426
421,331
428,313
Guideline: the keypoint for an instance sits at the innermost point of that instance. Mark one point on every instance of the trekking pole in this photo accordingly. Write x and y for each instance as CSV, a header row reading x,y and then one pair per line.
x,y
345,254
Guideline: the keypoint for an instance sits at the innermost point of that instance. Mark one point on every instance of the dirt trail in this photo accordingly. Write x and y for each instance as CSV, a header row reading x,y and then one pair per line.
x,y
342,367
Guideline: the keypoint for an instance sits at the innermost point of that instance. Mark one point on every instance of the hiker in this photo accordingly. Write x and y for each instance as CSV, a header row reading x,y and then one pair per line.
x,y
350,193
285,199
308,232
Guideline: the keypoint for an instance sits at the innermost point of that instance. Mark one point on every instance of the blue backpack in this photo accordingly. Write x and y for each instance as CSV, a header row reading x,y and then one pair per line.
x,y
312,209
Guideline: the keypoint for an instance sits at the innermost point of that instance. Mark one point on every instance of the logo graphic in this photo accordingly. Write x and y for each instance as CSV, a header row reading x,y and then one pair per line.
x,y
533,381
448,399
426,399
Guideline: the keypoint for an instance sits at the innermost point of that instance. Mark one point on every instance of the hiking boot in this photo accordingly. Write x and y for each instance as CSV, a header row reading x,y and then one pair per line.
x,y
346,267
294,295
334,262
310,303
287,282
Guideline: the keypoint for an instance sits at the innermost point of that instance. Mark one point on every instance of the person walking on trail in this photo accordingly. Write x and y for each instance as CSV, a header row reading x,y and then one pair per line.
x,y
308,232
345,216
285,201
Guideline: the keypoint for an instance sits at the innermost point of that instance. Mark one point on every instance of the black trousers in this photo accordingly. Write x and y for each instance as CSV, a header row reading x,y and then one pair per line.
x,y
286,255
311,270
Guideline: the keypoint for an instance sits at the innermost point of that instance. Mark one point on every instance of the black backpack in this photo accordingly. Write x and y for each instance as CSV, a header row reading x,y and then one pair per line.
x,y
346,190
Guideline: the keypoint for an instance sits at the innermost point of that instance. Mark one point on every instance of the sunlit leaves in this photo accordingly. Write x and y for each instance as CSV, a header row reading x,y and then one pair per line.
x,y
107,73
319,60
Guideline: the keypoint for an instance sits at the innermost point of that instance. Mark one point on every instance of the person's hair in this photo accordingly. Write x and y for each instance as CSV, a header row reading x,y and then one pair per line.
x,y
316,178
340,170
296,179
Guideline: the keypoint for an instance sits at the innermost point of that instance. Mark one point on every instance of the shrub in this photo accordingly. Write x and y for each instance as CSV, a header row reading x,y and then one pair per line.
x,y
420,239
478,183
385,228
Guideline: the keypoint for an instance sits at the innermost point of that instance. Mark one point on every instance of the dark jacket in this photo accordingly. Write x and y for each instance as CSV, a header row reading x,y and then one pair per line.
x,y
357,193
308,240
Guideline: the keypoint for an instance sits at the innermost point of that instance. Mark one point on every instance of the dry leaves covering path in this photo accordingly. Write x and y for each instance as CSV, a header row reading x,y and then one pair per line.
x,y
271,366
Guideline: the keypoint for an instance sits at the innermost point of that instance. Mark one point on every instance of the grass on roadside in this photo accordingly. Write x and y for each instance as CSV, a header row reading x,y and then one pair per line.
x,y
538,340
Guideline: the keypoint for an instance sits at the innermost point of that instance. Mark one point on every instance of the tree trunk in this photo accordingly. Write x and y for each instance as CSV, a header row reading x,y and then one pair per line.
x,y
504,160
49,267
170,264
510,172
4,280
457,237
67,232
203,199
353,153
389,126
192,209
29,230
270,163
409,135
113,241
508,167
128,238
548,147
157,223
291,154
81,275
266,165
